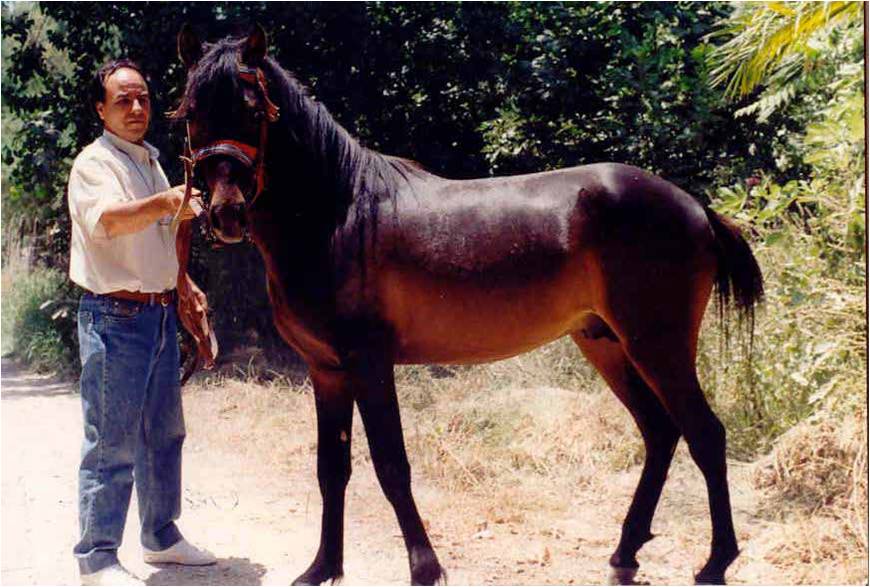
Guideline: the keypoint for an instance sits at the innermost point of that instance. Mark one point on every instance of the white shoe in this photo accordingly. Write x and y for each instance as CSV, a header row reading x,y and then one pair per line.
x,y
112,575
180,553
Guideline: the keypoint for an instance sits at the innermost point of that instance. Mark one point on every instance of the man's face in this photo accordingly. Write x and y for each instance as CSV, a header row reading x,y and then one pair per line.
x,y
126,109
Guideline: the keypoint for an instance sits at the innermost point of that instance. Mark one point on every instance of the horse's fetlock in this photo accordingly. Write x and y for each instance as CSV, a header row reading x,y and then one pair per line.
x,y
623,561
425,568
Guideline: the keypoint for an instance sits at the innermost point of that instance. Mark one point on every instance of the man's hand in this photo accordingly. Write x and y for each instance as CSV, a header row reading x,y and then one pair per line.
x,y
174,196
193,313
198,296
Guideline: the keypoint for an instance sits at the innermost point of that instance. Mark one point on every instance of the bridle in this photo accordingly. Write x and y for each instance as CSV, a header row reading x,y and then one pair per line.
x,y
248,155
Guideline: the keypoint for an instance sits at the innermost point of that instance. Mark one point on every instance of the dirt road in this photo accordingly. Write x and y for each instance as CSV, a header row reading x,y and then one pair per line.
x,y
264,526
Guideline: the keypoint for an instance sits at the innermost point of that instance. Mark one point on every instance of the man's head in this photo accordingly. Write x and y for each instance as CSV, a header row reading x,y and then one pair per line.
x,y
120,96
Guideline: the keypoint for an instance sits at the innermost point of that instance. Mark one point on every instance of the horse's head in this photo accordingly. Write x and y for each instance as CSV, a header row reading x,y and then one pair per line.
x,y
228,111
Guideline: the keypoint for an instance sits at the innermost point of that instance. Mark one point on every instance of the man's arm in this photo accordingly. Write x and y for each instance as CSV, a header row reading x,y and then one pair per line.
x,y
98,204
128,217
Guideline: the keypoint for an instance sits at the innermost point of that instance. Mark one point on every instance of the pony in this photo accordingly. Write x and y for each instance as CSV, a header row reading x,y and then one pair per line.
x,y
372,261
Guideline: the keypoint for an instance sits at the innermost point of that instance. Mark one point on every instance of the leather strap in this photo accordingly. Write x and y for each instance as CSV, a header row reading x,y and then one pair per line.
x,y
164,298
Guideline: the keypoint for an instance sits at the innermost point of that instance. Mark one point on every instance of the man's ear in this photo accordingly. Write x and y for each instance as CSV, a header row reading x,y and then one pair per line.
x,y
189,47
255,48
99,108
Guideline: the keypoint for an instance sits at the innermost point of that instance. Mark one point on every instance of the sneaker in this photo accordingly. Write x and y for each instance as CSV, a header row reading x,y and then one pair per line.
x,y
180,553
112,575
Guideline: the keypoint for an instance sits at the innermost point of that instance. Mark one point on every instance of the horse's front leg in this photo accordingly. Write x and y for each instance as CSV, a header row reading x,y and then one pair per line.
x,y
334,401
379,408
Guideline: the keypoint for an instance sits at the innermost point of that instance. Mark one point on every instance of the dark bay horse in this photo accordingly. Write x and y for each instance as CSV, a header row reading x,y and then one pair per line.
x,y
372,261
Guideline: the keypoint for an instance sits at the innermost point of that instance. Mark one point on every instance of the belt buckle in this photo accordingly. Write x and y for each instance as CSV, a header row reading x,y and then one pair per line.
x,y
164,299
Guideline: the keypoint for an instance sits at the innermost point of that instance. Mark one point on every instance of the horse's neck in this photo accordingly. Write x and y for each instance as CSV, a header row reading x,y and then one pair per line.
x,y
323,147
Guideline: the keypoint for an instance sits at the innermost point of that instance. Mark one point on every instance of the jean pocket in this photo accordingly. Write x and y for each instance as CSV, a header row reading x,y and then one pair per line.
x,y
86,319
121,310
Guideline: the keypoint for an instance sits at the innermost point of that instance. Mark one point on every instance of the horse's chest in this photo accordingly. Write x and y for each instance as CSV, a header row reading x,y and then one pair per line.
x,y
304,326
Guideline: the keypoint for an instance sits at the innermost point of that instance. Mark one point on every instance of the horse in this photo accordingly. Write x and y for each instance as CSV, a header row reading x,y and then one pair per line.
x,y
373,261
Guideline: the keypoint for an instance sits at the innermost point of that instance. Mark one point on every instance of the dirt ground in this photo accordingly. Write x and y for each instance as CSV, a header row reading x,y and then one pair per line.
x,y
263,525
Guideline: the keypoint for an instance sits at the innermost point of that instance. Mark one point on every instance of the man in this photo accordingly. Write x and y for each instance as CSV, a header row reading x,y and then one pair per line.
x,y
124,254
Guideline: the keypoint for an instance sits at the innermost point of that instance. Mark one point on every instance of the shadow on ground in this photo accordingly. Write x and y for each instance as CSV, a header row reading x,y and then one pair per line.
x,y
227,571
18,383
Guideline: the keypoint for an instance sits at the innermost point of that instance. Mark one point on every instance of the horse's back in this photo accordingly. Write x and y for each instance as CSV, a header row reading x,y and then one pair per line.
x,y
482,269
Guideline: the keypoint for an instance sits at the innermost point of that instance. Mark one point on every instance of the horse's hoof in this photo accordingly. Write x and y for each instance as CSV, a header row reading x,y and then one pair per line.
x,y
622,576
313,577
425,568
710,579
306,581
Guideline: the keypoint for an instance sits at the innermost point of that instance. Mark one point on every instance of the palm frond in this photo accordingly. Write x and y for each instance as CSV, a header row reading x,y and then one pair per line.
x,y
763,37
769,102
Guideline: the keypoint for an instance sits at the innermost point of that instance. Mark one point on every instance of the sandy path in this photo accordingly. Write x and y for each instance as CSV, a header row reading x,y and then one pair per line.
x,y
264,528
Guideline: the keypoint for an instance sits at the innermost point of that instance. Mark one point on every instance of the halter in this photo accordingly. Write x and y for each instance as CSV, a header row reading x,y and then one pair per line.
x,y
248,155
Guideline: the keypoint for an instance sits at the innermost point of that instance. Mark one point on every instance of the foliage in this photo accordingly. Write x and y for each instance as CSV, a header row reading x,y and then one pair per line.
x,y
808,350
39,320
480,89
810,353
777,43
788,61
467,89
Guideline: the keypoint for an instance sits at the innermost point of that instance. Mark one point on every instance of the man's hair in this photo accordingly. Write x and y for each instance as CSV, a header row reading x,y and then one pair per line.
x,y
98,83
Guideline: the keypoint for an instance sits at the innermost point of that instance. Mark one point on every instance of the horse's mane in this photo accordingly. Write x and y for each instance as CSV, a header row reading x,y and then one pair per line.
x,y
350,173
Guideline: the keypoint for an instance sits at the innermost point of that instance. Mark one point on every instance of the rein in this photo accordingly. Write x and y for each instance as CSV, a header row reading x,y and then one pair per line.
x,y
248,155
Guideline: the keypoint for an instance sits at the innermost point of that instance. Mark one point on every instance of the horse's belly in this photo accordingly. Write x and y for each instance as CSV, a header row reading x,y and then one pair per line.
x,y
438,320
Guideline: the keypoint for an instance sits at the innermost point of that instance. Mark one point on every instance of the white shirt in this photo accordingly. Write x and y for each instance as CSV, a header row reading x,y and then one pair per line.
x,y
108,171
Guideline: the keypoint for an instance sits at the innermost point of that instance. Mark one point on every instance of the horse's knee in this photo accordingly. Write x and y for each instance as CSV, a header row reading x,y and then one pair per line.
x,y
333,480
334,473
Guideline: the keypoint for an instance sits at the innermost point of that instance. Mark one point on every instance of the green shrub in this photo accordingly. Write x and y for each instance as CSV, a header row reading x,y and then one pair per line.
x,y
810,339
807,351
39,320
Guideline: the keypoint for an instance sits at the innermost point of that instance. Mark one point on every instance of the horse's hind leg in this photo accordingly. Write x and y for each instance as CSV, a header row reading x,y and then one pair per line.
x,y
334,403
379,409
666,361
652,291
600,346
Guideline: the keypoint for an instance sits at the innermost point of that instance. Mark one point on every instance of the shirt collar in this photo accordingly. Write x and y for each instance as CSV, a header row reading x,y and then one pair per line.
x,y
141,153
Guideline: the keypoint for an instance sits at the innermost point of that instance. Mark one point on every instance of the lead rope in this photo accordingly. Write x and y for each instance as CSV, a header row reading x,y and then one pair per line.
x,y
199,328
187,159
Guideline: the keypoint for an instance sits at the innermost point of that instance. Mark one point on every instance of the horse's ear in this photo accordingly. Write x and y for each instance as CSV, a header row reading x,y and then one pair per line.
x,y
255,47
189,47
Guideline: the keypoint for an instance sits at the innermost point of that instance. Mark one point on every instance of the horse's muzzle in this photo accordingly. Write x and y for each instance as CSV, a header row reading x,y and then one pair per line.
x,y
229,222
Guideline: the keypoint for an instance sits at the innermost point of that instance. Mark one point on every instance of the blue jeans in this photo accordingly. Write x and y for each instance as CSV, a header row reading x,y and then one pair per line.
x,y
134,426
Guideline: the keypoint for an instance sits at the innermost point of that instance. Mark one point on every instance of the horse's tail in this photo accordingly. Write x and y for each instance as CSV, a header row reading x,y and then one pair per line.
x,y
739,283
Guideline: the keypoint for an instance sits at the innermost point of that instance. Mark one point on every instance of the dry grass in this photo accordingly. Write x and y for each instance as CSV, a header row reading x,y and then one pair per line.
x,y
815,483
493,425
264,424
510,441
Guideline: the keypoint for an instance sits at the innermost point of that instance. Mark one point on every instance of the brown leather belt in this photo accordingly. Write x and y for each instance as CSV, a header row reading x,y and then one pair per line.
x,y
164,298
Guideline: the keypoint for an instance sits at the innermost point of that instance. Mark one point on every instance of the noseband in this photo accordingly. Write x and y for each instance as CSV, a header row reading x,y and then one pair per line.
x,y
248,155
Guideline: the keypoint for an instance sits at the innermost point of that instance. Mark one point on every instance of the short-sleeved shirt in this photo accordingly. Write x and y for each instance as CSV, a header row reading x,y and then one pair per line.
x,y
109,171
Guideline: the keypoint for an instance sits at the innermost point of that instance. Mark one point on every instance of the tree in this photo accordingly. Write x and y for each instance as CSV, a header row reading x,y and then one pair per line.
x,y
467,89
